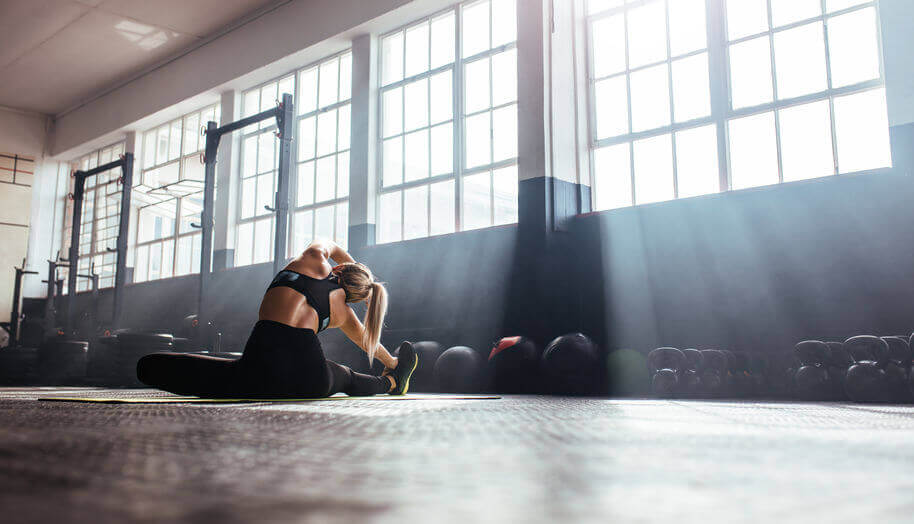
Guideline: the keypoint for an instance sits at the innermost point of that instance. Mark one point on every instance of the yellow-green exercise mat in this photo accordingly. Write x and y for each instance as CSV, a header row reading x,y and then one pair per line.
x,y
198,400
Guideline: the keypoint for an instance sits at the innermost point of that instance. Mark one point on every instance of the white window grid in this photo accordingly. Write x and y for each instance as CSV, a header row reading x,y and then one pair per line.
x,y
418,206
718,120
168,198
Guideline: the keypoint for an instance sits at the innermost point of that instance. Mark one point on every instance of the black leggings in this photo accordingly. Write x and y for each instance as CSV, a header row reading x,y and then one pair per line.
x,y
279,361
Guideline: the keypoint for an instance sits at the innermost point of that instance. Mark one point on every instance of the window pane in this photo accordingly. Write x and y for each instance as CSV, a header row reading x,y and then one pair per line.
x,y
162,137
442,40
182,260
442,149
244,244
475,28
504,22
248,194
417,49
305,187
393,161
328,80
862,131
392,102
442,208
750,73
342,175
191,207
442,100
323,223
303,231
344,121
416,111
611,100
836,5
174,144
505,185
416,156
341,236
392,58
853,46
476,86
286,85
346,77
389,220
477,205
251,102
264,193
326,133
155,261
691,97
149,149
415,210
612,184
608,35
646,34
687,26
746,17
504,133
325,176
799,59
753,151
307,91
806,148
696,161
504,77
263,240
478,140
653,169
168,258
785,12
191,133
193,169
650,98
265,152
306,138
598,6
142,264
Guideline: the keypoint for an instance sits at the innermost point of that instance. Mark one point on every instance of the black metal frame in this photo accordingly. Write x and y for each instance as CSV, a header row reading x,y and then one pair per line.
x,y
284,115
15,316
125,162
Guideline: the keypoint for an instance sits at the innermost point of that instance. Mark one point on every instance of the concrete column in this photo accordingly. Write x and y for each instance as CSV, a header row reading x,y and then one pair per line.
x,y
363,177
228,164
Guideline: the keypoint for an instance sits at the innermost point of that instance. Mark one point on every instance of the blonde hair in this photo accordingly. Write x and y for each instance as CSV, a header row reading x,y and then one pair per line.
x,y
360,285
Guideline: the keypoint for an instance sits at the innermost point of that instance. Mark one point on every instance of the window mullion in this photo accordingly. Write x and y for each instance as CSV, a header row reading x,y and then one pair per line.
x,y
459,120
774,83
719,88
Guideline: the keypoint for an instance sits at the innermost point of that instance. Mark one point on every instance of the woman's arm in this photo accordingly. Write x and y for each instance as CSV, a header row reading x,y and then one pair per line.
x,y
354,330
333,251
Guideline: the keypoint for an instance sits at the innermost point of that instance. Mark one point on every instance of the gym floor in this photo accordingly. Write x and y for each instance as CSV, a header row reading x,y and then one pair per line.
x,y
516,459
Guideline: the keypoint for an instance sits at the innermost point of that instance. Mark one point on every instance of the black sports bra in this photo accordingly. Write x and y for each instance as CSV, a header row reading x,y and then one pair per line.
x,y
316,290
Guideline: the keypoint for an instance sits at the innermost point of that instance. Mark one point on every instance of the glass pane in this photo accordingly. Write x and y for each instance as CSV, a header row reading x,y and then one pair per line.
x,y
806,148
476,86
646,34
248,195
196,246
478,140
326,179
504,77
750,73
504,133
442,40
598,6
696,161
416,111
691,97
392,102
244,244
142,264
505,194
193,169
608,35
326,132
286,85
753,151
263,240
265,152
306,138
264,193
836,5
799,59
687,26
417,49
344,121
307,91
442,149
393,161
611,100
191,207
612,185
746,17
653,169
162,137
442,100
342,175
305,189
182,260
785,12
155,261
862,131
341,234
174,143
392,58
390,221
475,28
328,82
251,103
477,201
415,212
303,231
149,149
168,260
442,208
416,156
323,222
504,22
346,77
650,98
191,133
853,46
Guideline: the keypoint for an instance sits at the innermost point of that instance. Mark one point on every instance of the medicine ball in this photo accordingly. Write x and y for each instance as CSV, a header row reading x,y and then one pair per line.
x,y
457,370
570,365
514,360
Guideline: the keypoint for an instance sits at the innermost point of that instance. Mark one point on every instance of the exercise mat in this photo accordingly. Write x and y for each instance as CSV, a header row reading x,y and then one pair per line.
x,y
199,400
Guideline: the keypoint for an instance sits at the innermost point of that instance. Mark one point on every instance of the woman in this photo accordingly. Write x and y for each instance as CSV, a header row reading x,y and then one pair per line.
x,y
283,356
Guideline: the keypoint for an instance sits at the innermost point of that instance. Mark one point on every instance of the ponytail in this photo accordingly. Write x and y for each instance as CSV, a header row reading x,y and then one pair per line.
x,y
374,319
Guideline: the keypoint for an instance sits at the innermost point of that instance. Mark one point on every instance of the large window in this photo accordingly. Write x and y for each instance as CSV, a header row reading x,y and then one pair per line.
x,y
448,123
100,218
801,95
168,198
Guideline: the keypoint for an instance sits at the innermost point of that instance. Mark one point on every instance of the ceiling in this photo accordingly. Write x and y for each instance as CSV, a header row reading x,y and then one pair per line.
x,y
57,54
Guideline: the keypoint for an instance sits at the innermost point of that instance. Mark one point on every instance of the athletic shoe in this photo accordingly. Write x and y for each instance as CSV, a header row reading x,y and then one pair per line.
x,y
407,360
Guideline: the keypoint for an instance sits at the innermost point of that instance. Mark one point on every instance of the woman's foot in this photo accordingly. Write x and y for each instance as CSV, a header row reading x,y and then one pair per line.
x,y
407,360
